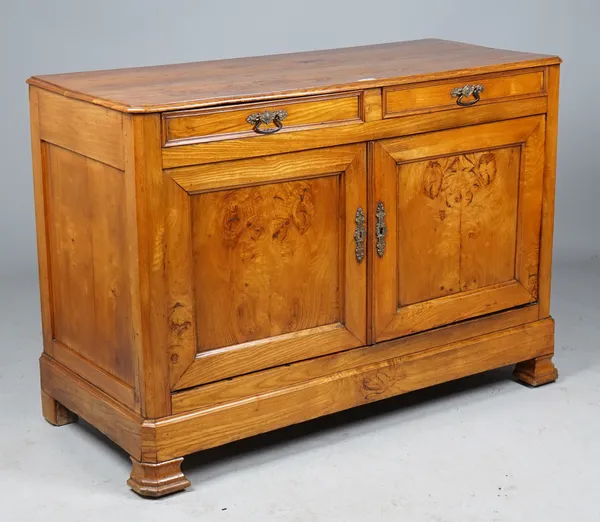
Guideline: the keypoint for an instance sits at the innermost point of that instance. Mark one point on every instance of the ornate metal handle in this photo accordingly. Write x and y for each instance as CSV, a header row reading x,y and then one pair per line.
x,y
465,92
267,117
380,229
359,235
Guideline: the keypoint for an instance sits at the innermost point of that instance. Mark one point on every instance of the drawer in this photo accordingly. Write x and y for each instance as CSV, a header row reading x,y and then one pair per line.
x,y
234,122
439,95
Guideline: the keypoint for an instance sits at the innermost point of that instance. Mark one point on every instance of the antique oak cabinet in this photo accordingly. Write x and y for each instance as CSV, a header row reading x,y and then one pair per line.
x,y
230,247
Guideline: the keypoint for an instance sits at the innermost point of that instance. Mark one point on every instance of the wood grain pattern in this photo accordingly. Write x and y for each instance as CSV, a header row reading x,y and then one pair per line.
x,y
545,268
184,86
456,195
55,413
87,248
179,280
489,223
201,283
537,372
429,227
372,105
482,137
118,390
41,220
218,151
269,169
530,202
146,188
116,422
416,98
247,241
248,357
456,307
133,269
157,479
230,123
243,386
189,432
459,213
77,126
384,282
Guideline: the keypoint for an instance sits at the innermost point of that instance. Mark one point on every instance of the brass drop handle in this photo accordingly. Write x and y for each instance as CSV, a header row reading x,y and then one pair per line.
x,y
359,235
267,117
465,92
380,229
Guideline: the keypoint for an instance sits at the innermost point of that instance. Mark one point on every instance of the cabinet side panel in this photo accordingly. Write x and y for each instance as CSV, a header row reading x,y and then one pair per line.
x,y
40,219
87,252
81,127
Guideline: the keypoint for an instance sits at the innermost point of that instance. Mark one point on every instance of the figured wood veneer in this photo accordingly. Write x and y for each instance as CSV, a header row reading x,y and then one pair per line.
x,y
201,282
460,213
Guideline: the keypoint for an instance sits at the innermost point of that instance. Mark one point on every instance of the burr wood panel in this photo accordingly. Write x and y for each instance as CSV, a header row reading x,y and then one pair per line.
x,y
464,224
459,213
247,240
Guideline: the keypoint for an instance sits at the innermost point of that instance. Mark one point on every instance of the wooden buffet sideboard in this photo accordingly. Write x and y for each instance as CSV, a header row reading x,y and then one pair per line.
x,y
230,247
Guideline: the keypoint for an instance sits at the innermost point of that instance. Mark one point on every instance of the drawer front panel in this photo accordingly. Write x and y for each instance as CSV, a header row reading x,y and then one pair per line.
x,y
411,98
319,137
186,127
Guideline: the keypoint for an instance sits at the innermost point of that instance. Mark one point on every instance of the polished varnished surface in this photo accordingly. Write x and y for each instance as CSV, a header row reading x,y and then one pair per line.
x,y
246,244
87,250
436,96
201,282
151,89
464,240
215,124
459,213
244,228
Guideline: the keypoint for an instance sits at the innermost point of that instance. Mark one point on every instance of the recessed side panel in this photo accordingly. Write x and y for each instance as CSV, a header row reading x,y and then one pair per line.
x,y
91,306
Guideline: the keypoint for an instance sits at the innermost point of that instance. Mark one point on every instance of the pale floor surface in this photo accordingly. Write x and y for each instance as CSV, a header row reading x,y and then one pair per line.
x,y
481,449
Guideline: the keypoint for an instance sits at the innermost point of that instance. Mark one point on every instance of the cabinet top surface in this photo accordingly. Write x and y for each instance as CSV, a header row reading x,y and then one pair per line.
x,y
202,84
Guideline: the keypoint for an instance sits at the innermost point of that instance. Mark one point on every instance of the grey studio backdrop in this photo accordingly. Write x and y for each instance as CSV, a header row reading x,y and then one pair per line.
x,y
38,37
481,449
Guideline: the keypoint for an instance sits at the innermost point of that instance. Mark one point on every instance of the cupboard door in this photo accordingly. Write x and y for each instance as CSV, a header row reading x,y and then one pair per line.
x,y
458,216
266,269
